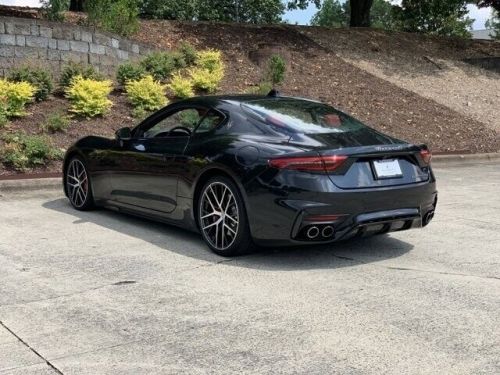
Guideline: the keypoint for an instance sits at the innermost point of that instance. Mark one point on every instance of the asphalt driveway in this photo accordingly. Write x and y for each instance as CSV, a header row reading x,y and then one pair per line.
x,y
103,293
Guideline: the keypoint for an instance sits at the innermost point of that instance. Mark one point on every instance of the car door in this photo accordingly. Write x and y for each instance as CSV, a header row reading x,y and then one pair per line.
x,y
147,169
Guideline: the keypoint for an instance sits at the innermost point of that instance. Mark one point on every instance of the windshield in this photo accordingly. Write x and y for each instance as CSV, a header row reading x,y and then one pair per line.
x,y
301,116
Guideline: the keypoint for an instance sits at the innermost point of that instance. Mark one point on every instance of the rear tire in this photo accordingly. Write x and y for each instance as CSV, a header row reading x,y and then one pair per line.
x,y
222,218
78,186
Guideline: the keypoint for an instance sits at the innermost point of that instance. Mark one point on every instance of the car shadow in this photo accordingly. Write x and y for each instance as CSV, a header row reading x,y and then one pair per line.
x,y
183,242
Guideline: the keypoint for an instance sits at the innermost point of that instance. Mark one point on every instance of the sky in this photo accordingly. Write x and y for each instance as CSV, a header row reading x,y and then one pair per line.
x,y
302,17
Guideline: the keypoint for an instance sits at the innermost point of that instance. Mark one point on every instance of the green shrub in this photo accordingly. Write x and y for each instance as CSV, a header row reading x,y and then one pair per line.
x,y
189,53
4,120
88,97
210,60
22,151
206,80
181,87
276,69
160,65
262,88
116,16
54,10
14,96
129,72
146,94
38,77
72,69
56,122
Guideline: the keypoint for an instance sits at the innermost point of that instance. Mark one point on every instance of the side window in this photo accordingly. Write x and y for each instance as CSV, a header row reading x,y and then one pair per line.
x,y
209,122
187,118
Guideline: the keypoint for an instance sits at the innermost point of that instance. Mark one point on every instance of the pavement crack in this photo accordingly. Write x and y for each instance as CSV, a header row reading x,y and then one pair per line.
x,y
416,269
211,264
441,272
52,366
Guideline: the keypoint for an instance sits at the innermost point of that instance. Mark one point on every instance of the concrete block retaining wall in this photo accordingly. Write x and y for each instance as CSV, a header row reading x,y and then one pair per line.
x,y
52,45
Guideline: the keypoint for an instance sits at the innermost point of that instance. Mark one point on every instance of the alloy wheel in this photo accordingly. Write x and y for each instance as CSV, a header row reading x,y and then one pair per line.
x,y
219,216
77,183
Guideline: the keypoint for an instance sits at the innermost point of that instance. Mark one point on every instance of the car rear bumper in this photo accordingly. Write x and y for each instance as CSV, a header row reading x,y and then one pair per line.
x,y
284,216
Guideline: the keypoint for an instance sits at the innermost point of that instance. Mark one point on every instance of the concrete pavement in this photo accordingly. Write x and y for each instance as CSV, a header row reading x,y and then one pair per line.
x,y
104,293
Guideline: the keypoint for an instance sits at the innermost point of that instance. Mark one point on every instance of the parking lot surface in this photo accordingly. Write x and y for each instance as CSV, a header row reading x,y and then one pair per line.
x,y
104,293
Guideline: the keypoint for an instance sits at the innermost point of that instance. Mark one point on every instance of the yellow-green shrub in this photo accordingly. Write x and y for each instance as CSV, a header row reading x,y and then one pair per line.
x,y
146,94
206,80
14,96
22,151
181,87
210,59
88,97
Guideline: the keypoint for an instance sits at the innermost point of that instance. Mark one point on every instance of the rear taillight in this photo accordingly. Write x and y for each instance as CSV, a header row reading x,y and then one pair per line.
x,y
426,156
309,163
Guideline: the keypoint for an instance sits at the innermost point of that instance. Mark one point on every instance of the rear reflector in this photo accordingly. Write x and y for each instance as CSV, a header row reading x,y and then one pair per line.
x,y
323,218
426,156
309,163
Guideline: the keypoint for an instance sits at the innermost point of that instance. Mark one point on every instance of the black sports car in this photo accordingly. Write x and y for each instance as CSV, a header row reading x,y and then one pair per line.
x,y
266,170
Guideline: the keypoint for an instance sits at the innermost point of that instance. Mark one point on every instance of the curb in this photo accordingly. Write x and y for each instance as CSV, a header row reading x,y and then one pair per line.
x,y
55,183
31,184
451,160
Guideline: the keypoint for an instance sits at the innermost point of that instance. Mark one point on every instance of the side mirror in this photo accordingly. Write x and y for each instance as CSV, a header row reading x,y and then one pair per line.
x,y
123,134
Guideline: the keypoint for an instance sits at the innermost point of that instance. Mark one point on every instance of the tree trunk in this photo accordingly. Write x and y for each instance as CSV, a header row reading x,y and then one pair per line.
x,y
360,13
76,5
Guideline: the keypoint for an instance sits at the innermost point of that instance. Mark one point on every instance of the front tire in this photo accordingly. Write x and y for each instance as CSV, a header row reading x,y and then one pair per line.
x,y
222,218
77,185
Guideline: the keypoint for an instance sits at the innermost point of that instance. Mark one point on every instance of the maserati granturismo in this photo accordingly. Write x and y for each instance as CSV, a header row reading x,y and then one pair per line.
x,y
256,170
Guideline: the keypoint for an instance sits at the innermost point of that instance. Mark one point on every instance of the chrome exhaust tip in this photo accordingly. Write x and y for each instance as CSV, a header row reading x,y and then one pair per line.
x,y
312,232
327,231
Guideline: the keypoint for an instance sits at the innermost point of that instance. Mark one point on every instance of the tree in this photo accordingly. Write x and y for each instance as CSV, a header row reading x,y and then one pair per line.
x,y
494,24
335,14
495,4
251,11
359,15
438,17
76,5
331,14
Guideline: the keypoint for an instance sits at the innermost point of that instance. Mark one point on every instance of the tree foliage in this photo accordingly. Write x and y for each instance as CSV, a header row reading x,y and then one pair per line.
x,y
495,4
251,11
494,24
335,14
437,17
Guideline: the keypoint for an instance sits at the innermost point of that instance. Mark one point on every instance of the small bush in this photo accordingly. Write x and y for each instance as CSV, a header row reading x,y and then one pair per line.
x,y
262,88
4,120
146,94
210,60
181,87
188,52
54,10
129,72
276,69
22,151
160,65
38,77
14,96
206,80
72,70
116,16
88,97
56,122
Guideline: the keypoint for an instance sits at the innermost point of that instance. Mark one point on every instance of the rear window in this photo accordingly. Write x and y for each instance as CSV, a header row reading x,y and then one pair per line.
x,y
301,116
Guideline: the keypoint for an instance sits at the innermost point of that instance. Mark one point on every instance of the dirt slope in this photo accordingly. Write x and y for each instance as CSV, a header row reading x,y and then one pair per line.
x,y
317,71
431,67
